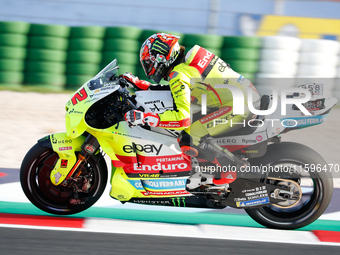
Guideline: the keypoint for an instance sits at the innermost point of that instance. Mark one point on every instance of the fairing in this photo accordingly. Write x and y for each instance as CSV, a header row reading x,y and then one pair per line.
x,y
102,85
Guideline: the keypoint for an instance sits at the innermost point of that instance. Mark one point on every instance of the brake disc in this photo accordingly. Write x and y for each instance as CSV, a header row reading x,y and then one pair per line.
x,y
289,198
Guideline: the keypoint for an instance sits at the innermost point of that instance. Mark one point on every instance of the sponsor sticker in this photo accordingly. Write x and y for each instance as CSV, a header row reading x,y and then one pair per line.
x,y
146,148
299,122
203,62
68,148
63,163
216,114
57,177
152,167
255,202
89,148
168,193
164,184
136,184
249,151
178,201
161,167
151,202
175,124
240,79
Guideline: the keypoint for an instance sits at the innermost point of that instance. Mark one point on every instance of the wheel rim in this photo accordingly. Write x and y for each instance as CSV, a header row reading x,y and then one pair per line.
x,y
57,198
311,196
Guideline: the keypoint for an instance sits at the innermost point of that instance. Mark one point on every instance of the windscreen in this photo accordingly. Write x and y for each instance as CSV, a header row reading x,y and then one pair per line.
x,y
106,77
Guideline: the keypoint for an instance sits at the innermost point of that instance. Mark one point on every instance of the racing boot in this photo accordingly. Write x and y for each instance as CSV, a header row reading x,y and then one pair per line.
x,y
227,164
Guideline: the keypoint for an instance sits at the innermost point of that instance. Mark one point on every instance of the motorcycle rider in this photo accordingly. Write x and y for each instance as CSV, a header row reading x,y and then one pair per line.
x,y
190,76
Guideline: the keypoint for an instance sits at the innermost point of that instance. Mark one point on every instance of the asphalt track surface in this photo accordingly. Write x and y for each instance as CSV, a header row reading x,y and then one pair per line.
x,y
12,175
22,240
31,241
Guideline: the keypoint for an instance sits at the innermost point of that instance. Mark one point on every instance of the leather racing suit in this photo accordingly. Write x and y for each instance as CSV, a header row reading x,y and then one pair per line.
x,y
200,72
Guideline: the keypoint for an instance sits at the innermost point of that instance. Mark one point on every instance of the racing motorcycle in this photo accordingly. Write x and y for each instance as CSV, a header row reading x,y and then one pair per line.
x,y
66,173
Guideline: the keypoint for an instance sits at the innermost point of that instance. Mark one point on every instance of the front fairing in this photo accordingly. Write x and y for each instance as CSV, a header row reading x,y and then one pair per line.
x,y
102,85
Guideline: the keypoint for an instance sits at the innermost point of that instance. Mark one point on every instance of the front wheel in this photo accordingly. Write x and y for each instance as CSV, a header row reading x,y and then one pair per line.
x,y
61,200
305,166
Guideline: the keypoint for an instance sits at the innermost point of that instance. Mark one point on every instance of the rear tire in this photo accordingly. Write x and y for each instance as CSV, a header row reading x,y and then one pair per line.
x,y
35,182
316,197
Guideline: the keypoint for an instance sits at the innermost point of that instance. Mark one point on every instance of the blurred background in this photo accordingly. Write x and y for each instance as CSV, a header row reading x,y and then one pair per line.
x,y
58,45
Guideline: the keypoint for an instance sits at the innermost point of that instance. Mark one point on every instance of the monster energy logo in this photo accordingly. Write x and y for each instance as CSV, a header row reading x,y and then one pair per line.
x,y
177,201
160,47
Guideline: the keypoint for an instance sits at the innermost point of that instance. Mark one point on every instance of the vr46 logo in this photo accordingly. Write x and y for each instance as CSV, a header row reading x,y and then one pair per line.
x,y
147,148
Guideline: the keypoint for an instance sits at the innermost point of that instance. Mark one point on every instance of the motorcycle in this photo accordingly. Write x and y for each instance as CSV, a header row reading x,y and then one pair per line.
x,y
66,173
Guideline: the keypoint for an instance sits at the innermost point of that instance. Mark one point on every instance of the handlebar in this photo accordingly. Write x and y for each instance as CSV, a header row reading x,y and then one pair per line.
x,y
122,82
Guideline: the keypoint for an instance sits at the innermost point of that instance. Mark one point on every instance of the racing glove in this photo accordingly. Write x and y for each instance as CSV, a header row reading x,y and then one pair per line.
x,y
135,81
136,117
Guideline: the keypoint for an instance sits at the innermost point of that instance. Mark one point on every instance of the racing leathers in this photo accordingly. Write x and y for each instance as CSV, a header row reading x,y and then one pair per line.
x,y
202,78
202,75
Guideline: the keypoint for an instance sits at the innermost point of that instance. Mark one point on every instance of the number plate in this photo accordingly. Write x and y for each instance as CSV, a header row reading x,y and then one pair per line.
x,y
314,88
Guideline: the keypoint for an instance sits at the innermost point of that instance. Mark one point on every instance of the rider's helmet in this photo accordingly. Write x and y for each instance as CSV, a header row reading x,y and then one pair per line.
x,y
157,54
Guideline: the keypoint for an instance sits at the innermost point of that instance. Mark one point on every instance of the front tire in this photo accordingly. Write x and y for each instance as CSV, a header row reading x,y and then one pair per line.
x,y
35,181
317,186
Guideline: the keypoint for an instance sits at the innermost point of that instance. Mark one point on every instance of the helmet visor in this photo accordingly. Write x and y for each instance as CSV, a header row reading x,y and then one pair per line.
x,y
155,74
158,73
147,66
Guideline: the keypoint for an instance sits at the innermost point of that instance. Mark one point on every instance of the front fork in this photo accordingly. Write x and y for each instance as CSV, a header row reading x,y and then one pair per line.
x,y
89,147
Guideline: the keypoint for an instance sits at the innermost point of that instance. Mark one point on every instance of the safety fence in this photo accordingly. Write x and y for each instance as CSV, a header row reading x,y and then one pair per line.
x,y
59,57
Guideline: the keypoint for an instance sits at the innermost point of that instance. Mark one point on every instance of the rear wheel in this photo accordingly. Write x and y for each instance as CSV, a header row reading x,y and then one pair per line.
x,y
61,200
315,181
